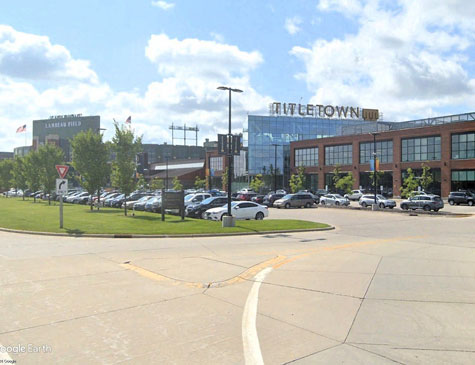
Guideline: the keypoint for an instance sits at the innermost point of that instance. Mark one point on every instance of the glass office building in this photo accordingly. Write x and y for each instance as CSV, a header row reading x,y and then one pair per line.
x,y
269,138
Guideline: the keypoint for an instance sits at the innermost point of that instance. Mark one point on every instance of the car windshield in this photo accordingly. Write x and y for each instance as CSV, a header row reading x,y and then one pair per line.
x,y
189,197
145,198
233,204
379,196
338,196
120,196
207,201
288,196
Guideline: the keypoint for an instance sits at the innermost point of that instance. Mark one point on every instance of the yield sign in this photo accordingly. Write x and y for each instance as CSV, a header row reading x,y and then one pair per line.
x,y
62,170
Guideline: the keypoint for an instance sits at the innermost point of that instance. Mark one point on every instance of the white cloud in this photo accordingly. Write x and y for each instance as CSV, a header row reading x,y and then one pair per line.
x,y
163,4
406,60
33,57
189,71
292,25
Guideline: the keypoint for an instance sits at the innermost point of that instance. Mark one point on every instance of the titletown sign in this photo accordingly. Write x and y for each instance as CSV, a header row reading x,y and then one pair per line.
x,y
323,111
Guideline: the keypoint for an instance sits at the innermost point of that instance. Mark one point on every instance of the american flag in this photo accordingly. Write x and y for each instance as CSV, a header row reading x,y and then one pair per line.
x,y
21,129
128,120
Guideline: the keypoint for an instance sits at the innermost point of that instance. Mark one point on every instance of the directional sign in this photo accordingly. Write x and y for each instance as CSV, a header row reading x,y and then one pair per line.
x,y
61,186
62,170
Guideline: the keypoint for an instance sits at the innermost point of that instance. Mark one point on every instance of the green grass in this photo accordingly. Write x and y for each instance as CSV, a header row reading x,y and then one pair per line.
x,y
78,219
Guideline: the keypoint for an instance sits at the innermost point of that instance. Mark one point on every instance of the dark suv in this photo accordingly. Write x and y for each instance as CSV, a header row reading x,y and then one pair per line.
x,y
199,210
461,197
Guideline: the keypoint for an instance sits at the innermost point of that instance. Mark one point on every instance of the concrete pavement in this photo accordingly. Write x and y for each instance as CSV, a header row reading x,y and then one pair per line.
x,y
381,288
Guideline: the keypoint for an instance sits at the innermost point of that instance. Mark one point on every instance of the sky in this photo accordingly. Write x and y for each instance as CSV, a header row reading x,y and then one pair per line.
x,y
161,62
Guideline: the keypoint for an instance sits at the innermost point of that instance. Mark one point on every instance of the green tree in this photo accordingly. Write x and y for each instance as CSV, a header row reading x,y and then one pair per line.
x,y
90,156
6,174
200,183
379,176
297,181
49,156
257,183
409,185
19,174
157,184
426,177
142,184
337,174
224,180
32,172
177,185
126,146
345,183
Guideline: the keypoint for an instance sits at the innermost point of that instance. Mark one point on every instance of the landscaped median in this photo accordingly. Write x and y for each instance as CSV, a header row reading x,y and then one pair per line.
x,y
16,214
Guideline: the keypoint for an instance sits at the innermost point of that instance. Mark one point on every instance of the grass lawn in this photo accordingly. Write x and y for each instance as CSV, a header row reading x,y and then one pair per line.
x,y
26,215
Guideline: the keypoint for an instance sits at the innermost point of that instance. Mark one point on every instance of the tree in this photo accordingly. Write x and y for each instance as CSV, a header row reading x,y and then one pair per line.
x,y
426,177
6,174
200,183
224,179
19,174
410,184
157,184
49,156
90,156
32,172
336,174
126,146
345,183
379,176
177,185
142,183
296,181
257,183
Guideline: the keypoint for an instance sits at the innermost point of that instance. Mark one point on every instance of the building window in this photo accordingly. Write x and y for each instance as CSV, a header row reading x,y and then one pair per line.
x,y
339,155
420,149
463,175
384,151
463,146
216,163
306,157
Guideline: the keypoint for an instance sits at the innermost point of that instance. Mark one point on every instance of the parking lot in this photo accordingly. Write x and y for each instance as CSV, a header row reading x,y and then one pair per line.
x,y
380,288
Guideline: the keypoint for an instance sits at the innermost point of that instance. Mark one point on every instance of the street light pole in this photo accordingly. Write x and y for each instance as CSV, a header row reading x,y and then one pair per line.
x,y
229,149
275,167
166,174
374,164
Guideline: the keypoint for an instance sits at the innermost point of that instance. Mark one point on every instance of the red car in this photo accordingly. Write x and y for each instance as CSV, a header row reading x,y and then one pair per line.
x,y
246,196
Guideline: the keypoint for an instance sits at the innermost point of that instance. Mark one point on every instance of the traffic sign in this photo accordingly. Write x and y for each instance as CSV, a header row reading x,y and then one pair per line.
x,y
62,170
61,186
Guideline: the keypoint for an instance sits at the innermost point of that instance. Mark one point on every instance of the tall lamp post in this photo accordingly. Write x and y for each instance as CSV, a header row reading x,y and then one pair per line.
x,y
275,167
166,172
374,134
230,138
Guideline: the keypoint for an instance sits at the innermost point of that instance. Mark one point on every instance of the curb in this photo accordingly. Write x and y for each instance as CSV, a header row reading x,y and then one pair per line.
x,y
196,235
394,211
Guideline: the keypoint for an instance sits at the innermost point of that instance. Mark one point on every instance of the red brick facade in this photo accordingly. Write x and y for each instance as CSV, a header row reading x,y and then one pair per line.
x,y
446,164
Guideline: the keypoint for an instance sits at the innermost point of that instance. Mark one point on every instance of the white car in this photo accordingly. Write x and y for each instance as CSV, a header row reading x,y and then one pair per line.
x,y
196,198
334,199
239,210
355,195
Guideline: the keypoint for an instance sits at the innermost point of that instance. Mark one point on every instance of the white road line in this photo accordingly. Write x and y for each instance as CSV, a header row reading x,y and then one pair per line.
x,y
250,340
4,355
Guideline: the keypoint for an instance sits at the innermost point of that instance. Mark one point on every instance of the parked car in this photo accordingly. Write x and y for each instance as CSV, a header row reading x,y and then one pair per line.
x,y
316,198
239,210
69,198
383,202
154,204
258,199
321,192
334,199
107,201
426,202
461,197
270,198
196,198
355,195
199,210
246,196
117,201
298,200
140,204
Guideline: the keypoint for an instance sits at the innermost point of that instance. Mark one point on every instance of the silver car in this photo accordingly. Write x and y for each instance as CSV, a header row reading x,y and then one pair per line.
x,y
334,199
354,195
426,202
383,202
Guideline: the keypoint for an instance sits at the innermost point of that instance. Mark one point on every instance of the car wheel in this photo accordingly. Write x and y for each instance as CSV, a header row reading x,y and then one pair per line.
x,y
470,202
364,205
381,205
391,207
308,205
323,202
287,206
337,203
259,216
426,208
404,207
451,202
436,210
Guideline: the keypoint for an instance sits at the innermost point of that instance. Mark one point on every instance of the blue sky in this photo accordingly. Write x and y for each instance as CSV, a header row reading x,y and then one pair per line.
x,y
160,61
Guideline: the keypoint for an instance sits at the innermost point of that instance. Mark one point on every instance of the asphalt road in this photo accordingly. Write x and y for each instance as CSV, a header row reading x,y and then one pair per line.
x,y
380,288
